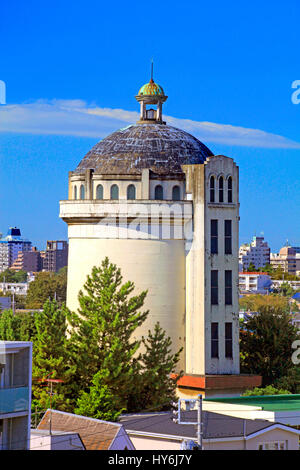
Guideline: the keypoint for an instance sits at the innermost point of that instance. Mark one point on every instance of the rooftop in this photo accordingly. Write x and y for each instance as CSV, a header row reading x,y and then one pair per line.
x,y
266,402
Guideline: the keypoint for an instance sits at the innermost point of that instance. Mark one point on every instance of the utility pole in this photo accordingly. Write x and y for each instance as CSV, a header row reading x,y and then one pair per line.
x,y
190,404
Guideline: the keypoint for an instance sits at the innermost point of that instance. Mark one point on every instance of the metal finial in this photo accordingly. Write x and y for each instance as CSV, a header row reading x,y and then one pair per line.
x,y
151,80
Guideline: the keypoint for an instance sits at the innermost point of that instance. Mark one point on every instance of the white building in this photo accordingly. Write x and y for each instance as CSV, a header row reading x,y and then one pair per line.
x,y
10,247
15,394
163,208
257,252
254,283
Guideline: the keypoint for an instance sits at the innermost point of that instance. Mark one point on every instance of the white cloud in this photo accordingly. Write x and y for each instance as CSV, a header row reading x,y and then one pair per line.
x,y
77,118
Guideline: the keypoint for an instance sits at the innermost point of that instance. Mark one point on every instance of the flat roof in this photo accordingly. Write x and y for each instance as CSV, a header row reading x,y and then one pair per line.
x,y
266,402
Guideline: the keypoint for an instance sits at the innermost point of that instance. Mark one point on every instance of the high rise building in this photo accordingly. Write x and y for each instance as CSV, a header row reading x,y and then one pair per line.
x,y
10,247
257,253
55,256
163,208
29,261
287,259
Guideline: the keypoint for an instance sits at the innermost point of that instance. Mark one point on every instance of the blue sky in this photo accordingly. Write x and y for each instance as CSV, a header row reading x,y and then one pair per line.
x,y
72,69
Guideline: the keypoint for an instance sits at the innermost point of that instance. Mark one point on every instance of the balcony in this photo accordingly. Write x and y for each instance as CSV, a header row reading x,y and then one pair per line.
x,y
14,400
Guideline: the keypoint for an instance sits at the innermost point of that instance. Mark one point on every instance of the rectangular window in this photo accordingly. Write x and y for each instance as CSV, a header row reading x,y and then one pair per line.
x,y
214,237
228,287
228,340
228,237
214,340
214,287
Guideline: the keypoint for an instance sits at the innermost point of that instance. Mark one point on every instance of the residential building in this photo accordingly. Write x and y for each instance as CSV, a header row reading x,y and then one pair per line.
x,y
57,440
254,283
287,259
257,253
161,206
29,261
158,431
10,247
55,256
15,394
95,434
276,284
19,288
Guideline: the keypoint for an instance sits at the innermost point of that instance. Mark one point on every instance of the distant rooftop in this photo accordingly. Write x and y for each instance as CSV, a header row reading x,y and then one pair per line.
x,y
266,402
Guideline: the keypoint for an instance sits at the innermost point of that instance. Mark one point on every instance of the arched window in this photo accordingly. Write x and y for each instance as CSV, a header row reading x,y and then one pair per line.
x,y
114,192
212,189
99,191
176,193
159,192
131,191
221,189
229,189
75,192
82,191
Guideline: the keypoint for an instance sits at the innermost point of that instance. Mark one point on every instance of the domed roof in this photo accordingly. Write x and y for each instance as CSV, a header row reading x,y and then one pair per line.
x,y
151,89
161,148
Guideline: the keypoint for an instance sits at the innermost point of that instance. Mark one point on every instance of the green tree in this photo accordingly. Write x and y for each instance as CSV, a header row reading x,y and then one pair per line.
x,y
102,331
18,327
99,402
266,342
9,275
269,390
157,376
47,285
251,268
51,357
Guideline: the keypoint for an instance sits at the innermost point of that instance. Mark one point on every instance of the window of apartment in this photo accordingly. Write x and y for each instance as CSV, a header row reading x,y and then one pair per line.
x,y
82,192
214,287
131,192
228,340
228,287
214,237
221,189
229,195
228,237
176,193
99,191
214,340
114,192
275,445
158,192
212,189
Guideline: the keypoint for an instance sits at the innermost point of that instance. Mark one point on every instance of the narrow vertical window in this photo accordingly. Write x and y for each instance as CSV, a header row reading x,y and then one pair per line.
x,y
131,192
228,340
75,192
99,191
221,189
82,192
215,340
114,192
158,192
228,237
176,193
214,287
214,237
212,189
229,189
228,287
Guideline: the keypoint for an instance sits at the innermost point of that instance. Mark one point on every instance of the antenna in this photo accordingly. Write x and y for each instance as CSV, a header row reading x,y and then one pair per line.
x,y
151,70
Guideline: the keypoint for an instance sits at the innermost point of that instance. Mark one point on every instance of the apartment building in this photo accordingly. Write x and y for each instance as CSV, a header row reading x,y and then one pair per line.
x,y
257,253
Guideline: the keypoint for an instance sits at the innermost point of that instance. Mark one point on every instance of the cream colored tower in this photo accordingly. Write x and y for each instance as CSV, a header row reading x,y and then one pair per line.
x,y
161,206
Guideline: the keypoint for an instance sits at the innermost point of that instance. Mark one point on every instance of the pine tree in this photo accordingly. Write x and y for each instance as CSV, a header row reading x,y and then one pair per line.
x,y
102,332
158,377
51,357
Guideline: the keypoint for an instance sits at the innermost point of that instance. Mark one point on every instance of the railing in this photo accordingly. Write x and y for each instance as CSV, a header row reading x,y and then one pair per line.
x,y
14,399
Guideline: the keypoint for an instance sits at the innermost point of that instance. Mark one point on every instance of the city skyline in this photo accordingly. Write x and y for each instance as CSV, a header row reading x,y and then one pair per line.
x,y
231,87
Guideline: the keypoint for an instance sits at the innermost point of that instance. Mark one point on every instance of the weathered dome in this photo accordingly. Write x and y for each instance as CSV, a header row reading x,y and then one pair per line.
x,y
151,89
161,148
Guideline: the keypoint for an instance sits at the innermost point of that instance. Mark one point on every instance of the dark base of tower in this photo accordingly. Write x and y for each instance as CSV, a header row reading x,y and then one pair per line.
x,y
216,385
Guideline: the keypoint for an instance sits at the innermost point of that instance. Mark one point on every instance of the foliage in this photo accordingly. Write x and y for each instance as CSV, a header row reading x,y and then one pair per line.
x,y
47,285
9,275
18,327
157,378
102,332
266,341
269,390
51,357
254,303
285,289
291,380
100,402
